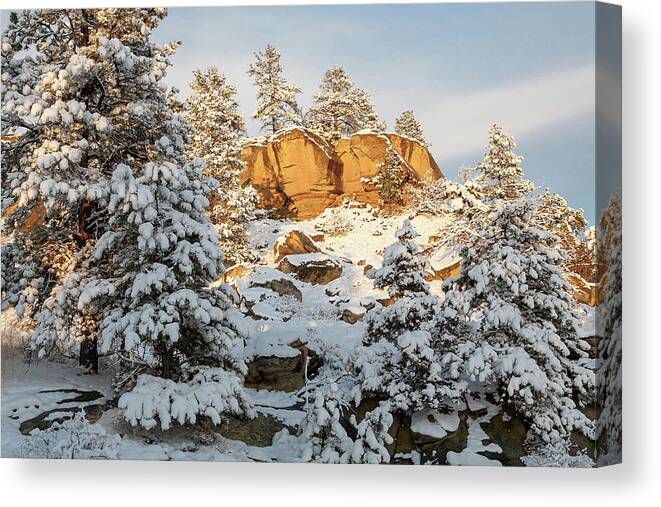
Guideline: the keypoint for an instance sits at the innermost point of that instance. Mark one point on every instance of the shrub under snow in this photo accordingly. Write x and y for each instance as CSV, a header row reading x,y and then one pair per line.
x,y
72,439
373,436
325,439
211,392
557,455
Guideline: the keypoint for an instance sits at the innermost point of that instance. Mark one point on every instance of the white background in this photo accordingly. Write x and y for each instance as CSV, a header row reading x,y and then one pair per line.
x,y
634,483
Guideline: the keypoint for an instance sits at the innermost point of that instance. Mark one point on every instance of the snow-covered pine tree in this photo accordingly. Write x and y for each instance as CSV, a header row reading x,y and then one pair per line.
x,y
340,109
276,98
372,436
396,362
407,125
609,331
508,320
78,93
402,273
166,325
213,112
459,203
500,176
554,214
390,180
325,439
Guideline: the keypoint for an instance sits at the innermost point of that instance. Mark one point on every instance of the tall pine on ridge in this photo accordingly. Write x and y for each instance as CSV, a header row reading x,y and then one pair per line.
x,y
276,98
407,125
213,112
500,176
339,108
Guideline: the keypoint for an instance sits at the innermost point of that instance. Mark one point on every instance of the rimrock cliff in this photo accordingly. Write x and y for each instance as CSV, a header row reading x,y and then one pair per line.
x,y
298,173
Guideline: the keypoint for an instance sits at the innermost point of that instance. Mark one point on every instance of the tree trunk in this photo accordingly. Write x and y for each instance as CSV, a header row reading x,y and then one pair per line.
x,y
89,355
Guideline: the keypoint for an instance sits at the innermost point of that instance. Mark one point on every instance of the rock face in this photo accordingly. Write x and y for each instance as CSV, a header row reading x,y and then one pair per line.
x,y
281,286
280,373
295,172
299,174
364,151
232,274
584,292
276,281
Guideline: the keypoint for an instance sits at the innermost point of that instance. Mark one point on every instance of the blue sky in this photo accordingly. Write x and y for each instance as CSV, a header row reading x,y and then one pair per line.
x,y
460,67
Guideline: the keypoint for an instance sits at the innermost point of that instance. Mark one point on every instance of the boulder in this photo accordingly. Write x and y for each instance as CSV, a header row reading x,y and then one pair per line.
x,y
445,264
294,171
284,372
258,431
446,272
352,313
299,174
274,280
295,242
507,431
232,274
317,269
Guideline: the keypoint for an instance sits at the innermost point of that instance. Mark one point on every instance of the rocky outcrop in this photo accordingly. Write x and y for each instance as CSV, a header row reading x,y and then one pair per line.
x,y
299,174
234,273
276,281
364,151
295,172
584,292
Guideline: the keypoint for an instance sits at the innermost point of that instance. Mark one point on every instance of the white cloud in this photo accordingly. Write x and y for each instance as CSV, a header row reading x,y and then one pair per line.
x,y
458,124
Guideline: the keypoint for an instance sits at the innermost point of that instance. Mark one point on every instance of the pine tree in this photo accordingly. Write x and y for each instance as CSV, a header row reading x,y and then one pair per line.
x,y
213,112
396,362
339,109
78,89
407,125
500,176
390,180
609,331
325,439
554,215
402,273
373,437
160,317
276,98
508,320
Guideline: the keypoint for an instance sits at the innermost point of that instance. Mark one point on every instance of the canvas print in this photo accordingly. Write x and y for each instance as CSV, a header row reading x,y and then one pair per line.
x,y
358,234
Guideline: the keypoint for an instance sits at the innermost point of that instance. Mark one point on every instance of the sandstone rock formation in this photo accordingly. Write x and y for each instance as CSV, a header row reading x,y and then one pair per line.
x,y
299,174
365,150
584,292
281,373
277,282
234,273
294,171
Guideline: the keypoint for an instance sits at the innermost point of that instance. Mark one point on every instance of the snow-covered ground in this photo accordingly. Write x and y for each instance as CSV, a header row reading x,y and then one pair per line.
x,y
355,238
